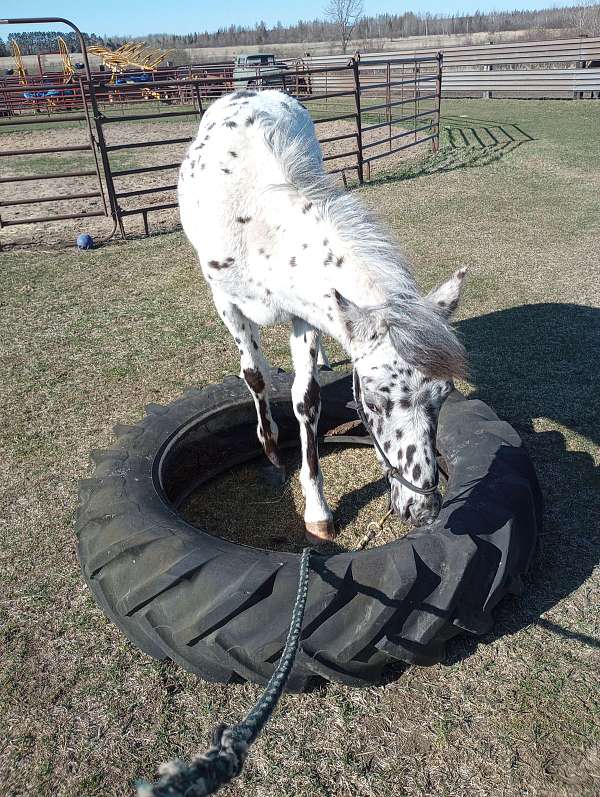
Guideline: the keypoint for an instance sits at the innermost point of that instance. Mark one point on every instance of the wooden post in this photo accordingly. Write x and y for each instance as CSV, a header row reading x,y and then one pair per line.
x,y
578,95
487,94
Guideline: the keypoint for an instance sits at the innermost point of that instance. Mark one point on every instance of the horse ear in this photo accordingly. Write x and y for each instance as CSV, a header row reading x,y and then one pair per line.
x,y
360,324
446,296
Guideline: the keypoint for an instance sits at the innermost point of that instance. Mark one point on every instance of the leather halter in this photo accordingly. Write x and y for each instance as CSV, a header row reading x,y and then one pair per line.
x,y
391,472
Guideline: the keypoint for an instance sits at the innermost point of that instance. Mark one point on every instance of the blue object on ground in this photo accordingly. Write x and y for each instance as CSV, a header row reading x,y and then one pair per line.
x,y
85,241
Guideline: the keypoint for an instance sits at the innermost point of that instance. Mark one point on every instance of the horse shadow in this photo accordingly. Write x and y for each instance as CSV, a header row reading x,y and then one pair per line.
x,y
465,143
535,366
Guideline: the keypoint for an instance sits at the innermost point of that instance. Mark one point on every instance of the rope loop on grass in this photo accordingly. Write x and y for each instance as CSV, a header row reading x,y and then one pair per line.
x,y
225,759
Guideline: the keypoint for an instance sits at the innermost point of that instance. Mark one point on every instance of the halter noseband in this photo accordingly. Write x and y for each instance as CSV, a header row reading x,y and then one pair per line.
x,y
390,471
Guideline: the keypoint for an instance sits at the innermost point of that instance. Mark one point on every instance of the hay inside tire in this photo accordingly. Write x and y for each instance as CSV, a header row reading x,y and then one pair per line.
x,y
221,609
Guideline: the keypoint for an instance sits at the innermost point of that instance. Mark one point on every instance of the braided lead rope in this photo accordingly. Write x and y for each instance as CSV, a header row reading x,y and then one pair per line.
x,y
225,759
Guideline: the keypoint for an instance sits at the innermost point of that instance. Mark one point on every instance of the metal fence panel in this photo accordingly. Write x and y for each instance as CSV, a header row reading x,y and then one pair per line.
x,y
362,113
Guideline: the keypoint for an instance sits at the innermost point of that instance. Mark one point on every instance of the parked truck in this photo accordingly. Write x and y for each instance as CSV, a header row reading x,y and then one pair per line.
x,y
259,69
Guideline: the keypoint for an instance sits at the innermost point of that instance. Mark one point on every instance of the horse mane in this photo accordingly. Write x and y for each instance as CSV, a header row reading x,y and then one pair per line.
x,y
418,331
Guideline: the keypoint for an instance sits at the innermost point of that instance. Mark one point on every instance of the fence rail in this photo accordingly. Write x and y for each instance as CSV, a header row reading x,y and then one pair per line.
x,y
487,68
539,81
547,51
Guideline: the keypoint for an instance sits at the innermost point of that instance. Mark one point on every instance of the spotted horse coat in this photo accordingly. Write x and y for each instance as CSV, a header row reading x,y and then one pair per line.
x,y
279,242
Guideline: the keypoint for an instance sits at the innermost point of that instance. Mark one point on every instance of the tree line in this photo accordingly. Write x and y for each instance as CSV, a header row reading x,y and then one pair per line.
x,y
393,26
45,41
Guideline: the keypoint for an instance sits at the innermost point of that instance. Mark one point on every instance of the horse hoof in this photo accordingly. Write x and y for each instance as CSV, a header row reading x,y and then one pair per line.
x,y
319,531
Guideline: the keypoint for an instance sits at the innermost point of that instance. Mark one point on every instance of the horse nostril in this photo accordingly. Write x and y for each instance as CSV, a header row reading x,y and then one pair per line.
x,y
425,515
419,518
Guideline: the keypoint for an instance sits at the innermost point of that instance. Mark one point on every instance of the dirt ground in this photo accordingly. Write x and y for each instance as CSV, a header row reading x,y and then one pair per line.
x,y
100,228
89,339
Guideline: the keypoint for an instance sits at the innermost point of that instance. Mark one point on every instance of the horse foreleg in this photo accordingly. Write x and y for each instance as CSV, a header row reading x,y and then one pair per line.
x,y
306,398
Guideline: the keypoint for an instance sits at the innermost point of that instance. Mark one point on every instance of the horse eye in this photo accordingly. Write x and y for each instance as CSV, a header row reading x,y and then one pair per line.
x,y
372,406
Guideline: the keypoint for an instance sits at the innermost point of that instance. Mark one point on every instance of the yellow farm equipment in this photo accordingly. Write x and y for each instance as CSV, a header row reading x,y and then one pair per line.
x,y
130,55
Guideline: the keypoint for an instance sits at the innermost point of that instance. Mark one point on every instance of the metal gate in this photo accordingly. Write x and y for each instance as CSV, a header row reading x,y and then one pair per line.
x,y
44,106
363,112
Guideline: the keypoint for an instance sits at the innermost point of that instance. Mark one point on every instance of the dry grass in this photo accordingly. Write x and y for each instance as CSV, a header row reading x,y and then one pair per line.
x,y
268,516
87,340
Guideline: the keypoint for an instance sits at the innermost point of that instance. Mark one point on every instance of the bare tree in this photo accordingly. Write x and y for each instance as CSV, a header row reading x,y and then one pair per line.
x,y
344,14
587,18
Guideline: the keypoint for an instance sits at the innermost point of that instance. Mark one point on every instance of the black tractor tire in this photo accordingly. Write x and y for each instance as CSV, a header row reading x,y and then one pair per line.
x,y
222,610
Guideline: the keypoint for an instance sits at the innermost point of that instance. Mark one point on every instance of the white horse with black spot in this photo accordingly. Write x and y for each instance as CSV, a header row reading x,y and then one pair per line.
x,y
279,242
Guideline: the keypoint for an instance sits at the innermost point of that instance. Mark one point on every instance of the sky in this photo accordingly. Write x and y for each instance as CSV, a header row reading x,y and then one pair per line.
x,y
139,17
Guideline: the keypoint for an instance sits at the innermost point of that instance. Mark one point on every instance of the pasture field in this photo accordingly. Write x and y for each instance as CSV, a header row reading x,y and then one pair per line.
x,y
89,339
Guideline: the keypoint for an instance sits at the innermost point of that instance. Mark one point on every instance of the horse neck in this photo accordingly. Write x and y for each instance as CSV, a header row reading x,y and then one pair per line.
x,y
326,256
